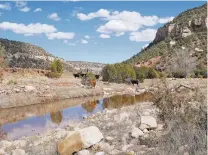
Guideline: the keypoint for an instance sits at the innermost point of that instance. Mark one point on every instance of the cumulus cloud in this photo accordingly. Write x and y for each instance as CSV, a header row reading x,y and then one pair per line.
x,y
84,41
144,35
33,29
87,37
25,9
37,10
5,6
104,36
60,35
22,6
27,29
100,13
120,23
54,16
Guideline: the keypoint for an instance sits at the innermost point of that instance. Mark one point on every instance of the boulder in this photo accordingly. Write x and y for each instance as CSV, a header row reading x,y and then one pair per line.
x,y
80,139
136,132
5,144
83,152
18,152
150,121
29,89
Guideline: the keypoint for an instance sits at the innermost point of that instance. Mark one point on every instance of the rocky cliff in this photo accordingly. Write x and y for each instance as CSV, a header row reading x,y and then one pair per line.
x,y
187,31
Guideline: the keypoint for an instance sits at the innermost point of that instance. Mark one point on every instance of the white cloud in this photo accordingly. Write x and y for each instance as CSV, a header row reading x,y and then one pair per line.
x,y
67,42
104,36
37,10
25,9
87,37
60,35
5,6
144,35
119,23
27,29
22,6
54,16
84,41
100,13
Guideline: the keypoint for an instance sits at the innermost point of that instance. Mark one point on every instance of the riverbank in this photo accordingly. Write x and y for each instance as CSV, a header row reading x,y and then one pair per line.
x,y
121,130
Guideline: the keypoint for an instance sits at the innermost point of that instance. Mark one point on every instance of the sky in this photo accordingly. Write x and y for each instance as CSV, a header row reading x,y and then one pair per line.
x,y
106,32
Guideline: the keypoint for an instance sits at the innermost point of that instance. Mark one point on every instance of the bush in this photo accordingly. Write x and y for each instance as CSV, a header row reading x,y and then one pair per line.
x,y
118,72
152,73
88,78
184,113
56,69
179,74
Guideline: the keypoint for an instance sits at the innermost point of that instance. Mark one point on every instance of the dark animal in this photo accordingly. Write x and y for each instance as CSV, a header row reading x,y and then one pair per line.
x,y
97,76
82,75
134,82
76,75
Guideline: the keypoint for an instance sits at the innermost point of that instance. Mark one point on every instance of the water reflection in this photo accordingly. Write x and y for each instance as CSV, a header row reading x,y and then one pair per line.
x,y
56,117
30,120
119,101
90,106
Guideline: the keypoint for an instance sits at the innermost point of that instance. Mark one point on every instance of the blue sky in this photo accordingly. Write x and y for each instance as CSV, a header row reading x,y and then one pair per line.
x,y
105,32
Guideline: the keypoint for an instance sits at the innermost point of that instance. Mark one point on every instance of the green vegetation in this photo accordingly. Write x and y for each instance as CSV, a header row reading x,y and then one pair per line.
x,y
56,69
12,82
89,77
118,72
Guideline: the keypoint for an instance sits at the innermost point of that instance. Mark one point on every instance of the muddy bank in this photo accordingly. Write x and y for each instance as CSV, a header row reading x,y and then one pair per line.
x,y
35,96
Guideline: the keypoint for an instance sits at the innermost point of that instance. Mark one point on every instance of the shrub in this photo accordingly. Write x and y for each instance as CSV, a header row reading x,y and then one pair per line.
x,y
118,72
184,113
152,73
56,69
86,80
12,82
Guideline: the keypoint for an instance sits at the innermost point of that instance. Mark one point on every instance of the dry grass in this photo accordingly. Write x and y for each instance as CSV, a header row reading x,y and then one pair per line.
x,y
184,113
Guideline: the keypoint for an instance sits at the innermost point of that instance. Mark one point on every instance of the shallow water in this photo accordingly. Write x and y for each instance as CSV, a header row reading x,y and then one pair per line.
x,y
31,120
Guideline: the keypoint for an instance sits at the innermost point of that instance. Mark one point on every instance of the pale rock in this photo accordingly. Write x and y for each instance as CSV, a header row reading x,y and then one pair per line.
x,y
108,138
105,147
186,153
143,126
198,49
19,143
122,117
16,90
80,139
29,89
18,152
145,113
99,153
145,131
83,152
125,147
136,132
150,121
2,152
5,144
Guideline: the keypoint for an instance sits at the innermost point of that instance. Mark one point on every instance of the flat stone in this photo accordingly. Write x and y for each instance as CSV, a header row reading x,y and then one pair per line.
x,y
136,132
143,126
108,138
150,121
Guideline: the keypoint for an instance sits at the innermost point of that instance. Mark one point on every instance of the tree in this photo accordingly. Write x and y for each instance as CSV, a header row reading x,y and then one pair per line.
x,y
56,69
182,64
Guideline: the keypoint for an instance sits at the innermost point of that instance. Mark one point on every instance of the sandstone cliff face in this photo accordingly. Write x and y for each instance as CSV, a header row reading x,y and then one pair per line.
x,y
181,30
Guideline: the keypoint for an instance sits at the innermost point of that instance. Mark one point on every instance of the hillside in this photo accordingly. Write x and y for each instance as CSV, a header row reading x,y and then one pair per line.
x,y
25,55
187,31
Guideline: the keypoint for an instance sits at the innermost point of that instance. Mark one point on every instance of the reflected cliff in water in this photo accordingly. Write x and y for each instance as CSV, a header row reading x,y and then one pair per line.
x,y
30,120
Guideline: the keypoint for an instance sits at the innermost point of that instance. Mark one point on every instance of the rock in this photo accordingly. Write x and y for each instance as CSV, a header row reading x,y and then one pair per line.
x,y
145,113
102,146
136,132
150,121
99,153
145,131
186,153
29,89
5,144
16,90
77,140
2,152
83,152
122,117
198,49
143,126
160,127
130,153
125,147
108,138
18,152
19,143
